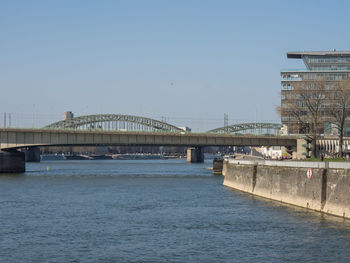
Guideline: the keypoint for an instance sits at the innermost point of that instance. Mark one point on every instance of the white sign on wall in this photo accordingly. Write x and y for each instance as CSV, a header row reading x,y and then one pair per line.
x,y
309,173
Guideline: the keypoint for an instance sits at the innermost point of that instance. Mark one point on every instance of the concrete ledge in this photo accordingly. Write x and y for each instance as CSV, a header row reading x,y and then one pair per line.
x,y
325,189
335,165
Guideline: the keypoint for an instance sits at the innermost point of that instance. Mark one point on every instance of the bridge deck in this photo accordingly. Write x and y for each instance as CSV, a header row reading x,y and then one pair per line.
x,y
19,138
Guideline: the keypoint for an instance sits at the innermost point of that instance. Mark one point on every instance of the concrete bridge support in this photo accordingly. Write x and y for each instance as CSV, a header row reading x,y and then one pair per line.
x,y
195,155
32,154
12,162
217,166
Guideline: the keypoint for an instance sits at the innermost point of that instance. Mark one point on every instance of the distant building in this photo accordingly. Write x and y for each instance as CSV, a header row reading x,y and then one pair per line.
x,y
330,65
273,152
186,129
67,115
284,130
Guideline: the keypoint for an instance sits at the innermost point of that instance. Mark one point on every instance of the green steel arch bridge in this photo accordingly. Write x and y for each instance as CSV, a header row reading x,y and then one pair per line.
x,y
253,128
115,122
137,123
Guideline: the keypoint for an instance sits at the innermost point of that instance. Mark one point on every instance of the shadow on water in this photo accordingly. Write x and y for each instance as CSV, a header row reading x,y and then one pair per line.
x,y
12,175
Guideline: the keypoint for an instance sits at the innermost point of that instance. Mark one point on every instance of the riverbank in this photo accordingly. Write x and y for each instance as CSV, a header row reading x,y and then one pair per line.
x,y
320,186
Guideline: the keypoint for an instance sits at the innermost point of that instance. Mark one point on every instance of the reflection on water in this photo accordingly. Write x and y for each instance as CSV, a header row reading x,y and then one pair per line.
x,y
154,211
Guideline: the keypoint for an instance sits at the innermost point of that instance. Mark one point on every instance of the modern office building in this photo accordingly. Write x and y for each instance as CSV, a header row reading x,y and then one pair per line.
x,y
329,65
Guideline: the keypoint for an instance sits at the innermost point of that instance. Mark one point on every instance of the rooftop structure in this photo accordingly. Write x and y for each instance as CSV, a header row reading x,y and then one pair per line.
x,y
300,54
323,61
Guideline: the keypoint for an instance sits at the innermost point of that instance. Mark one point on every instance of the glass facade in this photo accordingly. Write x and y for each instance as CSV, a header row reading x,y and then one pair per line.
x,y
324,63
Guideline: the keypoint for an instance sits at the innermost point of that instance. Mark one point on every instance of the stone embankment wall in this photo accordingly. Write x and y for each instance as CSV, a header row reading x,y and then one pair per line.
x,y
325,189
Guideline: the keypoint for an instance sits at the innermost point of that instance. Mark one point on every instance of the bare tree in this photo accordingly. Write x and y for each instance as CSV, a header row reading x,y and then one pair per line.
x,y
338,107
303,105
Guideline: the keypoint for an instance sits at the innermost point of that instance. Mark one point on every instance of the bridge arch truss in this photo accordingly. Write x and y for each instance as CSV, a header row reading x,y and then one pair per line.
x,y
114,122
254,128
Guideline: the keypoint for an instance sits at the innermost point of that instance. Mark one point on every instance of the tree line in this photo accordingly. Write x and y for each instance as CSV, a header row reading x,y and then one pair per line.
x,y
310,104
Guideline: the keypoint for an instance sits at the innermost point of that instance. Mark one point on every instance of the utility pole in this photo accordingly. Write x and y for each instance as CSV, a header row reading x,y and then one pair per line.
x,y
4,119
226,122
33,115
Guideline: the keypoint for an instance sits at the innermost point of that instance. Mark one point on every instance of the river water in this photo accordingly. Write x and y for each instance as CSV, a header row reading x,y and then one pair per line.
x,y
154,211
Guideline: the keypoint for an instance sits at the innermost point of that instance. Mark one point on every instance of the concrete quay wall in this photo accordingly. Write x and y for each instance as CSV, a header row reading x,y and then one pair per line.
x,y
327,190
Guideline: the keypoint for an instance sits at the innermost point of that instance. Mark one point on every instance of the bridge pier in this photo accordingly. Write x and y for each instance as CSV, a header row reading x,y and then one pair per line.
x,y
218,164
195,155
32,154
12,162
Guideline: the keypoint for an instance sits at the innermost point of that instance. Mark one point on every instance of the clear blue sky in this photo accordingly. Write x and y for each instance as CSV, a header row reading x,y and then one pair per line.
x,y
190,61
